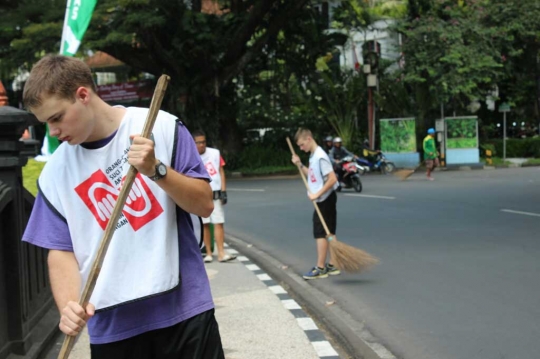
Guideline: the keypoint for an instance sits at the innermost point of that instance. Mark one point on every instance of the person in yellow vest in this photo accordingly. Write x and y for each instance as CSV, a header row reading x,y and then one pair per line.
x,y
431,156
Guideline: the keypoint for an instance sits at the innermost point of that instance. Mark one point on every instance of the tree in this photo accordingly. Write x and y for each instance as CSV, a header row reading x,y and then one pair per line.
x,y
201,51
448,51
273,92
337,97
518,40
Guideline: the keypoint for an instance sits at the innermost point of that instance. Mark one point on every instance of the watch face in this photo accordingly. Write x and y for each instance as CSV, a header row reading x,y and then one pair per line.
x,y
162,169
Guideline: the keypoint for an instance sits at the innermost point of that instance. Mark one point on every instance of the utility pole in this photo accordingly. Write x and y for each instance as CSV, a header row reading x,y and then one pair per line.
x,y
504,108
371,63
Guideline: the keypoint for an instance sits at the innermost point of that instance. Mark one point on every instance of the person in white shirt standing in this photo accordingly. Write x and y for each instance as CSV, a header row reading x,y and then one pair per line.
x,y
214,163
322,182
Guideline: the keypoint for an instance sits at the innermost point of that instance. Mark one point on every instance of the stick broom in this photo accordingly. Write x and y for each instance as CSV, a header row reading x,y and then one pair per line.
x,y
403,174
343,256
159,93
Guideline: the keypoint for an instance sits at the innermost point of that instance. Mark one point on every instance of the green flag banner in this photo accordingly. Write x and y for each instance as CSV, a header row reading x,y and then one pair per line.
x,y
78,15
76,21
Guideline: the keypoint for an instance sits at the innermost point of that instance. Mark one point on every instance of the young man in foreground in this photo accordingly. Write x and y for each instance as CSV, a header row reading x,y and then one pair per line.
x,y
152,298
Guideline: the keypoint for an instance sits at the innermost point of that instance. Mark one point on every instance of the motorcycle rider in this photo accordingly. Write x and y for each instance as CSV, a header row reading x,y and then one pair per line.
x,y
368,153
337,153
328,144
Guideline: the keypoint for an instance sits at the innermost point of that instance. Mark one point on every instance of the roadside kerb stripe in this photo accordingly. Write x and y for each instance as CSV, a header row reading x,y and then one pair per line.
x,y
322,347
252,267
355,337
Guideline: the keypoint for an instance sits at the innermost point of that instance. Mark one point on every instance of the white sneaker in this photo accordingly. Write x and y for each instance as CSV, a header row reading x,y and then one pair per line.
x,y
208,259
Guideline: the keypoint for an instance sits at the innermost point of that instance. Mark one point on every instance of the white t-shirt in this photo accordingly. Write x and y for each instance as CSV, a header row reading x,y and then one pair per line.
x,y
212,161
319,169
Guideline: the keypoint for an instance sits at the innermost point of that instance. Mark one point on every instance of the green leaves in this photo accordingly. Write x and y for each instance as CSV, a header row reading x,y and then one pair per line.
x,y
398,136
447,49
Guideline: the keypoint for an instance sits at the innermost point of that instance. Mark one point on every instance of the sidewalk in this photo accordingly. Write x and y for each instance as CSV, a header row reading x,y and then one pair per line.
x,y
257,318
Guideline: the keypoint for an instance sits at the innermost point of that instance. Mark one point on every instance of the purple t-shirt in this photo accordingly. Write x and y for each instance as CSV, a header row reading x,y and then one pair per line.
x,y
47,229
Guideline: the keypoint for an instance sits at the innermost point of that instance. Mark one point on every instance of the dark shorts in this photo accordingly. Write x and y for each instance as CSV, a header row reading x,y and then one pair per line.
x,y
329,213
194,338
430,164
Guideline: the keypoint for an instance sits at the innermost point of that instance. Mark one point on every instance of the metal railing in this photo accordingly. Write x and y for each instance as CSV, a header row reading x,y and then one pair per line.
x,y
28,317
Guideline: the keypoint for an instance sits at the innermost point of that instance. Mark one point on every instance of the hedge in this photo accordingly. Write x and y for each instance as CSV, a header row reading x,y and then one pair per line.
x,y
515,147
257,156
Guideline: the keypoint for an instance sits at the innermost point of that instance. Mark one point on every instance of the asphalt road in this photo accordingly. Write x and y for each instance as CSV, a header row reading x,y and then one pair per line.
x,y
459,276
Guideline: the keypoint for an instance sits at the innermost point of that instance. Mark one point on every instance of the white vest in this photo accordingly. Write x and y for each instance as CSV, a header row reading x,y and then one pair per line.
x,y
315,177
212,160
82,185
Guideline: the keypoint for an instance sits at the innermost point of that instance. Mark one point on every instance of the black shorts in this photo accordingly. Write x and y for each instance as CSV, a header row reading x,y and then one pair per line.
x,y
195,338
329,213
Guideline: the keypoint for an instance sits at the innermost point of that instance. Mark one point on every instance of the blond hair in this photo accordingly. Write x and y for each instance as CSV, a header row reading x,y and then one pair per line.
x,y
302,133
56,75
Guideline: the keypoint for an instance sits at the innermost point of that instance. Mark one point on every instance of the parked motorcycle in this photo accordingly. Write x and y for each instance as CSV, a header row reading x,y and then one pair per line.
x,y
381,163
351,176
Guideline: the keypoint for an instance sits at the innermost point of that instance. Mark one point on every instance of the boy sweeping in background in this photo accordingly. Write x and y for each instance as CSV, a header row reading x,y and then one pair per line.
x,y
322,184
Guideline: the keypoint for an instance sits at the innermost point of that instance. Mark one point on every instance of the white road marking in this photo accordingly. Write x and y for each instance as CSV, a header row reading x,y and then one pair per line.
x,y
246,190
324,349
252,267
243,258
290,304
264,277
232,251
306,323
520,212
277,289
369,196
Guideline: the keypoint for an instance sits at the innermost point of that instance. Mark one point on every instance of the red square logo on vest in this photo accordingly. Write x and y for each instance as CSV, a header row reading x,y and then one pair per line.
x,y
211,169
100,196
312,177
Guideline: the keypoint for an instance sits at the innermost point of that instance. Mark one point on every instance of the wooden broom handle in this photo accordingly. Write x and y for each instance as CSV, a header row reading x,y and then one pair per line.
x,y
307,187
155,105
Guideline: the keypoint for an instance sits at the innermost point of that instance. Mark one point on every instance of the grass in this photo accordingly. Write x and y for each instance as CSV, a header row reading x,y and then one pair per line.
x,y
497,161
30,175
532,162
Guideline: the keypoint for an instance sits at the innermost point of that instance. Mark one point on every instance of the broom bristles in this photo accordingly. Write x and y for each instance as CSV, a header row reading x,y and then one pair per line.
x,y
349,258
403,174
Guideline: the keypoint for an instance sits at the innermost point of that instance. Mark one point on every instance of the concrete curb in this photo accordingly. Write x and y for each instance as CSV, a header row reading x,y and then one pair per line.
x,y
482,167
351,336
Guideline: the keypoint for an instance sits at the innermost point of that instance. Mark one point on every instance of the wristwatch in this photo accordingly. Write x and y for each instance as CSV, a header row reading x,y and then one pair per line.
x,y
161,171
